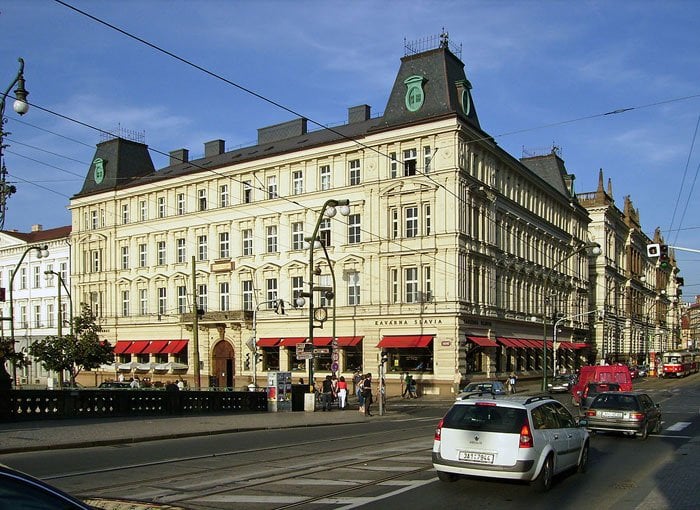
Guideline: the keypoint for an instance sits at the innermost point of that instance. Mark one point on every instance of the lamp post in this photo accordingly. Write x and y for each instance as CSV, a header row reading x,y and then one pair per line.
x,y
61,282
328,210
42,252
595,250
21,107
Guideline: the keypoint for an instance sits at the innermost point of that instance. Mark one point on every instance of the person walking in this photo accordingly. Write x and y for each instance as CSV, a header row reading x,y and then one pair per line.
x,y
512,380
342,393
327,393
407,384
367,393
360,394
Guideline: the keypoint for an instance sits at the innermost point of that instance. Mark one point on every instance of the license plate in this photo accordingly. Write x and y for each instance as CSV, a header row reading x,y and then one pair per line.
x,y
611,414
480,458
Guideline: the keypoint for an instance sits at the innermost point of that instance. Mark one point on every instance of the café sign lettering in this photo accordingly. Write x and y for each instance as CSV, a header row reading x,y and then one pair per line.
x,y
407,322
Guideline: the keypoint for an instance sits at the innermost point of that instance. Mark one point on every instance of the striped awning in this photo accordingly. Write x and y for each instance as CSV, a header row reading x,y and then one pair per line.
x,y
483,341
405,341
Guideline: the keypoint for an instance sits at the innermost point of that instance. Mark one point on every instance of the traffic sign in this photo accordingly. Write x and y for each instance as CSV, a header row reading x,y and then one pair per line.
x,y
334,367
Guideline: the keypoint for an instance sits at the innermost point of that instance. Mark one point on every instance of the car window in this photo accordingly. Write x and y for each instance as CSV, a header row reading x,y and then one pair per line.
x,y
486,418
646,401
545,417
565,418
615,401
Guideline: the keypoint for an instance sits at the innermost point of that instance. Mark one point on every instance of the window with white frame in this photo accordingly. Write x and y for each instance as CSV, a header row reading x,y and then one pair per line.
x,y
143,258
49,277
409,162
102,217
125,214
247,294
411,221
324,280
125,303
297,182
411,284
202,252
125,257
297,235
394,283
247,192
181,249
271,187
160,253
271,238
180,201
202,297
324,231
393,166
271,291
325,177
23,278
161,207
394,223
36,277
353,288
23,317
93,219
427,284
143,210
355,177
297,287
64,313
162,301
224,245
224,296
63,270
354,229
37,316
95,261
143,301
50,316
247,241
181,299
224,196
427,159
202,199
426,220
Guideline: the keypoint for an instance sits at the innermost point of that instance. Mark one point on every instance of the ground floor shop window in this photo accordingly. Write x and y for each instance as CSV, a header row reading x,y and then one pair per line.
x,y
181,357
270,358
410,360
353,359
295,364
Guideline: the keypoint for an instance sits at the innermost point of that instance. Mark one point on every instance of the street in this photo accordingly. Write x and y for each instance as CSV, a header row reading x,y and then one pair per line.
x,y
375,464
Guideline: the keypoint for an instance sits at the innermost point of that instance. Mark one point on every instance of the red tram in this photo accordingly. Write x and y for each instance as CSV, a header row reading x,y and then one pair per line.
x,y
679,363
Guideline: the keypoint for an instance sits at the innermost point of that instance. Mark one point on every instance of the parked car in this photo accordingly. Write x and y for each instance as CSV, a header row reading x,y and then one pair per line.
x,y
561,383
643,370
495,387
528,438
618,374
592,390
628,412
19,490
115,385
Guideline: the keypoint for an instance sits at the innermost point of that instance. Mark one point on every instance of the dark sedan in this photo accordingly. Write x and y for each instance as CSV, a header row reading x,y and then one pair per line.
x,y
622,411
561,383
19,490
592,390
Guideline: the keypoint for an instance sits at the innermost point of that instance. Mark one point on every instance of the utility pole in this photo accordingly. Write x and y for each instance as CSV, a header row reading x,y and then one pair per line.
x,y
195,326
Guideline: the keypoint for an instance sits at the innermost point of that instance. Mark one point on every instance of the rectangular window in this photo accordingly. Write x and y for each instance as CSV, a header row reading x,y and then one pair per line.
x,y
202,199
272,187
394,285
202,252
325,177
411,283
125,303
393,166
272,239
95,264
181,250
162,301
161,207
224,251
411,221
353,289
93,219
143,301
224,296
125,257
202,297
142,255
297,235
247,243
427,284
180,204
324,231
247,192
37,316
181,299
297,287
223,196
353,229
427,158
23,317
63,270
355,172
394,223
160,253
271,294
37,277
143,210
50,316
247,294
125,214
426,220
297,182
409,162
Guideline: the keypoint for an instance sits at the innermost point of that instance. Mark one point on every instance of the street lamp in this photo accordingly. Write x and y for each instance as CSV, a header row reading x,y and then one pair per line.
x,y
328,210
62,283
594,251
21,107
42,252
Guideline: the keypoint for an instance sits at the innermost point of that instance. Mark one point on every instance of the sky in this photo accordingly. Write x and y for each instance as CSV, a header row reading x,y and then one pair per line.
x,y
544,73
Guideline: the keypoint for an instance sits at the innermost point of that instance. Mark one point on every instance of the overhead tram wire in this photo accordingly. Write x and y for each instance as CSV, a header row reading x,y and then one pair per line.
x,y
682,183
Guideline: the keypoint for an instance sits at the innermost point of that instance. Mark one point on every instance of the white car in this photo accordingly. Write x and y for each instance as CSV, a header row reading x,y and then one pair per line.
x,y
512,437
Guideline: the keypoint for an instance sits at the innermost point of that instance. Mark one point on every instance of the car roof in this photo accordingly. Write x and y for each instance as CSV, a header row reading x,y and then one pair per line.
x,y
472,398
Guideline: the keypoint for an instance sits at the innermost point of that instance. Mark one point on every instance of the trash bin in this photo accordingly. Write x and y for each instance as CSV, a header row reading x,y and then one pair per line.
x,y
298,391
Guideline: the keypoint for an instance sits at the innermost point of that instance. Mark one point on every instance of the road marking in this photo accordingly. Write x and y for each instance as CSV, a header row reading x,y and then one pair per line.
x,y
677,427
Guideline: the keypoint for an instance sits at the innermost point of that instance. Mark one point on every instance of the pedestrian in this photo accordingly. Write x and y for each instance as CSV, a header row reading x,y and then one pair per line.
x,y
342,393
407,384
512,380
367,393
412,393
334,389
327,393
180,384
135,384
359,394
356,382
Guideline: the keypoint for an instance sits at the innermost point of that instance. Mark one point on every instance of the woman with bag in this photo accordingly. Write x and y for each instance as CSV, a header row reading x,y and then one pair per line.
x,y
367,393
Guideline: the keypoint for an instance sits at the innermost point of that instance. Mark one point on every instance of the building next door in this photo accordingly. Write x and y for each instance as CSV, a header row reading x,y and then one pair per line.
x,y
222,367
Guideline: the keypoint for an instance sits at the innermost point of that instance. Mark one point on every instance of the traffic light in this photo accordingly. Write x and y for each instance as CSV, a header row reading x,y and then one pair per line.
x,y
246,364
663,256
385,357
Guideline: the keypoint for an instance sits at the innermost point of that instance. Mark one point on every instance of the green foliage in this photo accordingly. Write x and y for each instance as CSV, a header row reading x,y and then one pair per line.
x,y
74,352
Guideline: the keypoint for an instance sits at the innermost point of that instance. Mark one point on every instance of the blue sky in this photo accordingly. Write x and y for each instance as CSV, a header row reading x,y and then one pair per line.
x,y
543,74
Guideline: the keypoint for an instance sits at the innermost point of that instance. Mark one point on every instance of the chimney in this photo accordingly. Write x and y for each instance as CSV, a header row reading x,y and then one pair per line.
x,y
359,113
37,228
179,156
214,148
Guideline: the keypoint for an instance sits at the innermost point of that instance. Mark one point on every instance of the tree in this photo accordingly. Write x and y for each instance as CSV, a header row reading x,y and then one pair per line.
x,y
80,350
8,353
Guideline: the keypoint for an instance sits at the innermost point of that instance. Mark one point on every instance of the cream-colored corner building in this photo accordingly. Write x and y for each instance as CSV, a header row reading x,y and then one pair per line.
x,y
450,253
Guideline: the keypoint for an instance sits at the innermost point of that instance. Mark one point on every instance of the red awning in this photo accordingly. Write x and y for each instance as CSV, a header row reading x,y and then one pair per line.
x,y
136,347
578,345
174,347
267,342
406,341
322,341
506,342
121,346
482,341
155,346
536,344
292,341
349,341
517,343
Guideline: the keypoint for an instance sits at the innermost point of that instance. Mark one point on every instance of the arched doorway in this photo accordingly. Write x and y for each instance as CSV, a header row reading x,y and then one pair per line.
x,y
222,375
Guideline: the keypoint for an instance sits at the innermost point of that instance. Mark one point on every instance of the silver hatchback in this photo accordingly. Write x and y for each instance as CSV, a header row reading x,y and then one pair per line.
x,y
514,437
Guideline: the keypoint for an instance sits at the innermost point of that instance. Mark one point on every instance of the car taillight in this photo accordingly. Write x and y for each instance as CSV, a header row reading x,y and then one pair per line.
x,y
636,416
590,412
525,437
438,431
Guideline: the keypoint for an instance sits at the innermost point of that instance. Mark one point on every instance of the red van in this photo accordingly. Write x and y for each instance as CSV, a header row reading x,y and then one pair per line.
x,y
619,374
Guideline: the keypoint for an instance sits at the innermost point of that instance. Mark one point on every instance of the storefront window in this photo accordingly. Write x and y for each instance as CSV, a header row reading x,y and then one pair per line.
x,y
411,360
353,358
295,364
270,358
